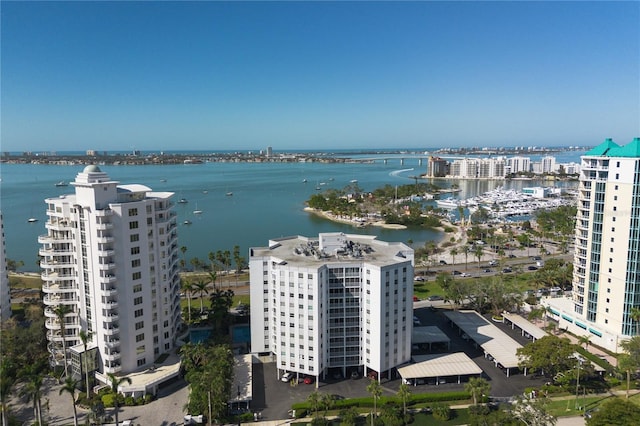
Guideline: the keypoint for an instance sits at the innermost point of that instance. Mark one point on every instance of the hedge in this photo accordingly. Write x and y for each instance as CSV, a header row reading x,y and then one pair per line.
x,y
367,402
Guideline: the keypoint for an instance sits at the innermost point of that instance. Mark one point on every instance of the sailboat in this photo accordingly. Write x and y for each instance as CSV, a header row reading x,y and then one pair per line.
x,y
197,211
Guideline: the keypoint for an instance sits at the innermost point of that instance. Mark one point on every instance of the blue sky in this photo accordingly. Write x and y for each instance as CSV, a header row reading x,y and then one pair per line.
x,y
317,75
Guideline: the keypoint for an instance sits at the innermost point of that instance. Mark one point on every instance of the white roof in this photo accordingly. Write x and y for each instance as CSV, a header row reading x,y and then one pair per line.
x,y
493,340
527,326
440,365
428,334
243,379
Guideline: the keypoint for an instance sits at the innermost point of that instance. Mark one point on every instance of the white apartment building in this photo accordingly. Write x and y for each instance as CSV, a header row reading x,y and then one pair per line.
x,y
336,303
5,295
518,164
111,255
478,168
548,163
606,276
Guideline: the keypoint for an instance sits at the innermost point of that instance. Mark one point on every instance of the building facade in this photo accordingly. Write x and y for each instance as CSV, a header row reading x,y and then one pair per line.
x,y
606,275
5,295
110,256
336,304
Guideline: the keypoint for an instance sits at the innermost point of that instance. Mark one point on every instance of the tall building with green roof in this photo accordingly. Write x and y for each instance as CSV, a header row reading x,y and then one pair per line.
x,y
606,275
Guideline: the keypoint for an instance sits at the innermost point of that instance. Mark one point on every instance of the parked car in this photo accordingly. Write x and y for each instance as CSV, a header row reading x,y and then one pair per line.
x,y
532,268
308,380
286,377
418,279
416,299
493,263
507,270
355,375
443,262
434,297
456,273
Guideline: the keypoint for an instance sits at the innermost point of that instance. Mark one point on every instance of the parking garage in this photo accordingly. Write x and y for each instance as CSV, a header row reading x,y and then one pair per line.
x,y
439,368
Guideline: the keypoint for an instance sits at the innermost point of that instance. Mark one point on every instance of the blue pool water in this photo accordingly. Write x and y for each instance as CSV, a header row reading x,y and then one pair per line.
x,y
241,333
198,336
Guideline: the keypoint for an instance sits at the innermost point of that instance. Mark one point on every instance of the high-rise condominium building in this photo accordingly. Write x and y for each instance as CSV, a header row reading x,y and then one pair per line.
x,y
606,275
5,296
338,303
110,258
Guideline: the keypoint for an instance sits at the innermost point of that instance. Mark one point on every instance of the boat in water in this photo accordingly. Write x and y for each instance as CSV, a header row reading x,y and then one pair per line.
x,y
187,222
229,194
449,203
197,210
32,220
183,201
62,183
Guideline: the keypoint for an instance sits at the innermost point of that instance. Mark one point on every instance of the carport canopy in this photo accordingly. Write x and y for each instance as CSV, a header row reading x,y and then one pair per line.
x,y
440,365
429,335
491,339
524,325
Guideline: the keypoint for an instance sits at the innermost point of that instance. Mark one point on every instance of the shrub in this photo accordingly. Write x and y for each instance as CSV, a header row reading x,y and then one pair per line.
x,y
441,411
129,401
148,398
108,400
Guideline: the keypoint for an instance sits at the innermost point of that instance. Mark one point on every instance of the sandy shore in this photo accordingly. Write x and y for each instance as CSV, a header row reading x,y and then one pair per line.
x,y
357,224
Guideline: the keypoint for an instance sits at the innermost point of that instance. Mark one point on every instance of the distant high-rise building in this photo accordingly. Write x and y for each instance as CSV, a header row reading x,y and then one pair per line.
x,y
5,295
518,164
110,256
338,303
269,151
548,164
437,167
606,267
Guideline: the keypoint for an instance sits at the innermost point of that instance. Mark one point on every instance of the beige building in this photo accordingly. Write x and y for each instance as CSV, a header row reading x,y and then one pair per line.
x,y
606,275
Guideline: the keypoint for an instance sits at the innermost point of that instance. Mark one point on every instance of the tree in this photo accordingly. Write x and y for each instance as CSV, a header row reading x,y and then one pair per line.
x,y
404,394
69,386
183,250
314,400
200,287
61,311
629,362
85,336
221,301
32,391
584,340
187,288
532,412
549,354
213,276
349,416
615,411
477,387
212,257
7,380
375,389
326,401
478,252
115,382
453,252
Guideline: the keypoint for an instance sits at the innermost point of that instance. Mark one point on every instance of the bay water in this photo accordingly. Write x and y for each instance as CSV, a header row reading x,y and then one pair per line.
x,y
243,204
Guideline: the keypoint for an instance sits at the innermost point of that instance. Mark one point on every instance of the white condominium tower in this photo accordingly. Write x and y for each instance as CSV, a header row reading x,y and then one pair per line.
x,y
606,275
5,296
110,256
338,303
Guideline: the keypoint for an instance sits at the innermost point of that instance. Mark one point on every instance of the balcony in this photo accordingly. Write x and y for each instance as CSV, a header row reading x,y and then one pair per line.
x,y
113,343
48,251
105,239
106,266
108,291
47,239
55,276
112,330
109,279
104,226
112,305
115,368
104,213
110,318
56,299
58,225
113,356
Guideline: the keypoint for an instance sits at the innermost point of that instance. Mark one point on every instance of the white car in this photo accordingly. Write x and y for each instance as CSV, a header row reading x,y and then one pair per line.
x,y
286,377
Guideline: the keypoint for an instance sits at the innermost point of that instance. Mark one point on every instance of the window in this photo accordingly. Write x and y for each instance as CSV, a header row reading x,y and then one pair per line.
x,y
140,337
136,275
137,288
133,225
141,362
135,263
133,212
135,250
138,313
134,237
139,325
137,300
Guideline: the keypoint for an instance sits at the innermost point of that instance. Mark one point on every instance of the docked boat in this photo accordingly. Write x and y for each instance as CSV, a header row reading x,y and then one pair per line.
x,y
448,203
62,183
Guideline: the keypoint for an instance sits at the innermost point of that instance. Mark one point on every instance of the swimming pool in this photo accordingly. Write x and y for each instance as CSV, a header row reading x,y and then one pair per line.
x,y
241,333
199,336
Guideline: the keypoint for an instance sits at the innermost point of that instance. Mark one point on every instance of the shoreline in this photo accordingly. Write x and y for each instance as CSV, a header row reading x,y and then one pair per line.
x,y
356,224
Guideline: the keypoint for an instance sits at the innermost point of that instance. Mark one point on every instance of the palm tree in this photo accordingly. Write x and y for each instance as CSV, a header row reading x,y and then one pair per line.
x,y
375,390
453,252
200,287
70,386
478,252
404,393
61,311
314,400
7,380
32,391
187,287
115,382
212,258
86,336
214,278
327,402
584,340
626,365
630,360
477,386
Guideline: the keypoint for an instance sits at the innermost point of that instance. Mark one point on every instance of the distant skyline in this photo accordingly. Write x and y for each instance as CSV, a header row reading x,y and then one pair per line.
x,y
317,75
